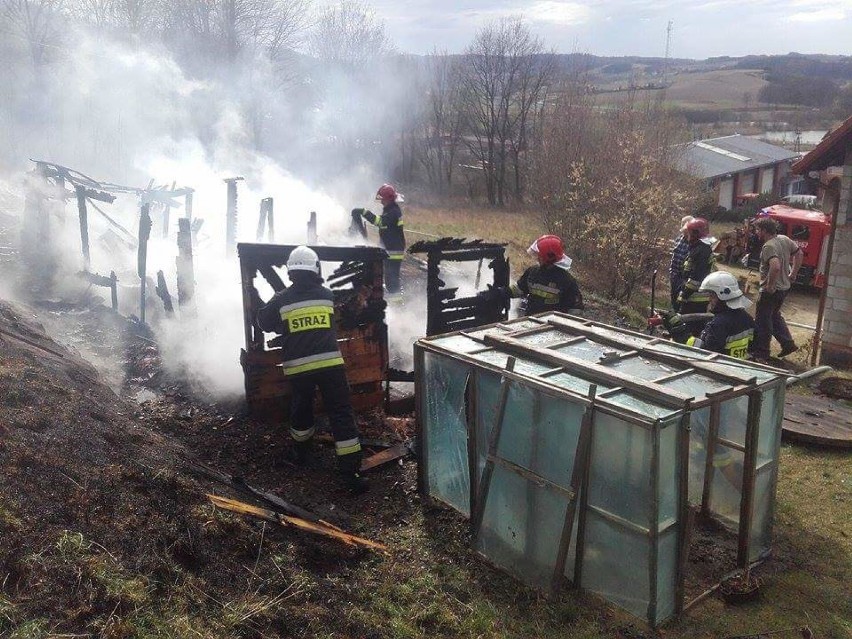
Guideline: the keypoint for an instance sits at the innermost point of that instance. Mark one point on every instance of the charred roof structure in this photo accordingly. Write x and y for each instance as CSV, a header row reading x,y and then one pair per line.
x,y
444,311
580,451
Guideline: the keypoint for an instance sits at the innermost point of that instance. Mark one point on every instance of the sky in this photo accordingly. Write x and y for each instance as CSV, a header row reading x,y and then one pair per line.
x,y
701,28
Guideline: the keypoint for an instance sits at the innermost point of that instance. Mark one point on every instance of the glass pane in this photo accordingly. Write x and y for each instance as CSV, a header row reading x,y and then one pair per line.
x,y
642,368
633,340
521,527
683,351
576,384
522,366
589,351
544,339
615,564
517,434
487,394
666,574
446,431
694,385
482,332
771,415
733,418
727,483
669,470
699,430
457,343
620,477
639,406
760,536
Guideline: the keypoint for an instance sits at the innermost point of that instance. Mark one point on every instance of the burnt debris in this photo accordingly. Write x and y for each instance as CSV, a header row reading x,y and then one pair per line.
x,y
444,311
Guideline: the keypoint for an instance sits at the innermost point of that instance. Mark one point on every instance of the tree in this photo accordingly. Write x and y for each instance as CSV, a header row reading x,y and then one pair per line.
x,y
211,31
506,75
136,17
440,124
607,182
348,35
37,23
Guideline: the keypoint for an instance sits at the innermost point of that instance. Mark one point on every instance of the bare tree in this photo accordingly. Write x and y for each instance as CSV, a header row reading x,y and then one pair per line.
x,y
36,23
349,35
131,16
507,72
224,30
440,123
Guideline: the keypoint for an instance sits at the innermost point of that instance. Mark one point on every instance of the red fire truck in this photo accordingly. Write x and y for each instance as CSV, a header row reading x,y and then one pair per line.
x,y
809,229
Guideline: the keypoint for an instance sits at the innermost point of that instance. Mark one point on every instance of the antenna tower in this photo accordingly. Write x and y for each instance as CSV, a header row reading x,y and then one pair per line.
x,y
668,50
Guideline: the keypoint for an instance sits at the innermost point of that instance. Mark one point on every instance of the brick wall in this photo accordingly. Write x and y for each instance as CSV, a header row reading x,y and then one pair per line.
x,y
837,324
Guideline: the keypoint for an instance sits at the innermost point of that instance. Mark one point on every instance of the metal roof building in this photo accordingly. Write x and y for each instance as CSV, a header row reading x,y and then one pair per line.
x,y
736,164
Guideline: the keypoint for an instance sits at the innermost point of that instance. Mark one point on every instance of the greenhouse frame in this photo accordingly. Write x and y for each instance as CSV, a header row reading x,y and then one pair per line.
x,y
582,451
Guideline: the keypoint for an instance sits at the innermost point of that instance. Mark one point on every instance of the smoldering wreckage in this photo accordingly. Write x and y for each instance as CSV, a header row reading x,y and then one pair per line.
x,y
580,453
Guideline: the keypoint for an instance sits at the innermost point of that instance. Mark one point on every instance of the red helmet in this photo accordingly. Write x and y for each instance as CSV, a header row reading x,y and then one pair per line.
x,y
698,228
387,194
550,249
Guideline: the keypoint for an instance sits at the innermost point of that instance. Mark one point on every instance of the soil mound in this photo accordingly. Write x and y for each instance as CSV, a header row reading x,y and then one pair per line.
x,y
102,533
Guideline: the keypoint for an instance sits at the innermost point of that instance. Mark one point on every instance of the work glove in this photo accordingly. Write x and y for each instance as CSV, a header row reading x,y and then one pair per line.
x,y
677,328
495,294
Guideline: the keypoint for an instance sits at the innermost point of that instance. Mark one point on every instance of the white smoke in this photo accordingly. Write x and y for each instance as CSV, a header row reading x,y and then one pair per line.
x,y
127,114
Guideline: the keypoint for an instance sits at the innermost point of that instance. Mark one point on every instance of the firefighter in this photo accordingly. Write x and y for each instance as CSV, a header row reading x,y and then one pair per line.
x,y
391,233
304,313
681,250
731,330
698,264
548,286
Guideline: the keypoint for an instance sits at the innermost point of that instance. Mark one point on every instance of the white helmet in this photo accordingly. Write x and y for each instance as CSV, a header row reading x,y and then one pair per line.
x,y
303,259
726,288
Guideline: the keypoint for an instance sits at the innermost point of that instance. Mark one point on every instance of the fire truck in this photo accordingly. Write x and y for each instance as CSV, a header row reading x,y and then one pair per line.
x,y
809,229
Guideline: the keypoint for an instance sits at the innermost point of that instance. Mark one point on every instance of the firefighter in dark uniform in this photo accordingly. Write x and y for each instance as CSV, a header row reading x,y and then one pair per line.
x,y
548,286
699,264
304,313
391,233
731,330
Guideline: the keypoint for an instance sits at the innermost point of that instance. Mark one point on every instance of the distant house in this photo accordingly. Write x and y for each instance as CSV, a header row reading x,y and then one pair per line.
x,y
735,165
829,168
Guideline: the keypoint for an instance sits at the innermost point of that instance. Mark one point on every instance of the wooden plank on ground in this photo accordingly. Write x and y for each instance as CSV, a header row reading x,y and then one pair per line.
x,y
388,455
817,420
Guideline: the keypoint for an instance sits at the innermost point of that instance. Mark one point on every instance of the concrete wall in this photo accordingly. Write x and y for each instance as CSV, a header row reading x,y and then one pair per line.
x,y
837,323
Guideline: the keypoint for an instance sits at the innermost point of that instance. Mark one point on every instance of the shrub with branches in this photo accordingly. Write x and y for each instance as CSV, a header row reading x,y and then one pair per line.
x,y
605,181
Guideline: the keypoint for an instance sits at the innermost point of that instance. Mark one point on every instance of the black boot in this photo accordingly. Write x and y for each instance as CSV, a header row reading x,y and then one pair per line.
x,y
302,453
349,467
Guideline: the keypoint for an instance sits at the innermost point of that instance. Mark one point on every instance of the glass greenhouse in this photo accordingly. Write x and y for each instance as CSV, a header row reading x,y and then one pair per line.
x,y
579,451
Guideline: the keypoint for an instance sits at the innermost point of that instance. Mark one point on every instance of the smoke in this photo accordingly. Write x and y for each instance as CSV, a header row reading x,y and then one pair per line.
x,y
127,113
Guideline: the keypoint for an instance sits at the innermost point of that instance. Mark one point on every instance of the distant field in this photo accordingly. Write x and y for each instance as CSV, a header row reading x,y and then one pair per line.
x,y
724,88
718,89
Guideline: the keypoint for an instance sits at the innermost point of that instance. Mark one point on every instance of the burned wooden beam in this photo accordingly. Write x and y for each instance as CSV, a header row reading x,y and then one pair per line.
x,y
142,256
187,205
185,267
84,226
312,228
110,282
231,215
163,293
266,220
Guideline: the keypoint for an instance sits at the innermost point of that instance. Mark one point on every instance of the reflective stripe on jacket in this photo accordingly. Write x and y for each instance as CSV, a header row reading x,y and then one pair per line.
x,y
305,314
548,288
730,332
390,228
